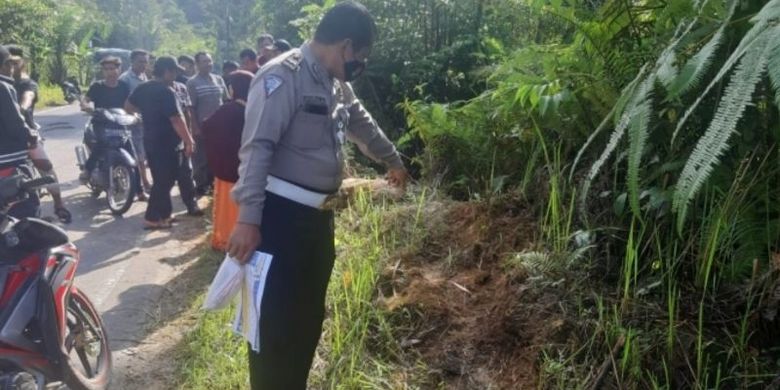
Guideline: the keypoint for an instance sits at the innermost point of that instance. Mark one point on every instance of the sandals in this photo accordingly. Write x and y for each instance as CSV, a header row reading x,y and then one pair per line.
x,y
63,214
159,225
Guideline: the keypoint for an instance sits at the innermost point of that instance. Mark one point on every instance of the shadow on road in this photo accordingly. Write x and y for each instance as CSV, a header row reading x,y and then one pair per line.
x,y
118,238
150,307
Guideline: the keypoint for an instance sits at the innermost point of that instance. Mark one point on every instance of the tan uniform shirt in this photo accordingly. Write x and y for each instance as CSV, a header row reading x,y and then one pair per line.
x,y
297,120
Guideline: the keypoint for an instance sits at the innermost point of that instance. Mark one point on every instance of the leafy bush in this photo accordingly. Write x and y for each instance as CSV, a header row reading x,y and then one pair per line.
x,y
50,95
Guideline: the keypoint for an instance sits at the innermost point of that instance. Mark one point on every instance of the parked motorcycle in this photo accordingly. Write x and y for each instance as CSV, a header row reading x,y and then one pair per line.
x,y
108,138
71,91
50,333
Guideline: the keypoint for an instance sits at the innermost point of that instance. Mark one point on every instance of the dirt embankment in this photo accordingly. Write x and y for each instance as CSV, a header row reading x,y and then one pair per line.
x,y
476,322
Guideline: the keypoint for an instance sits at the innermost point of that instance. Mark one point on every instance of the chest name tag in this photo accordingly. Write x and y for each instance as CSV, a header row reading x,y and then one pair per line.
x,y
315,104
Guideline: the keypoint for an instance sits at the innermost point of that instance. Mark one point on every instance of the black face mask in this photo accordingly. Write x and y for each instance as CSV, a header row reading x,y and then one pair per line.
x,y
353,69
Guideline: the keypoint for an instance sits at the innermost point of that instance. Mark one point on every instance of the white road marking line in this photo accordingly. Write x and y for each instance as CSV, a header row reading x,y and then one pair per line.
x,y
105,290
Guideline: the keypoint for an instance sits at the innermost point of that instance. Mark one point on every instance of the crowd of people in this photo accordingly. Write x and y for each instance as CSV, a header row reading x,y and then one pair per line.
x,y
174,99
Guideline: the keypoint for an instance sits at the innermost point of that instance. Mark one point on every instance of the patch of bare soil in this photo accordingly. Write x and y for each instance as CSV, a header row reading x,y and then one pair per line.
x,y
476,323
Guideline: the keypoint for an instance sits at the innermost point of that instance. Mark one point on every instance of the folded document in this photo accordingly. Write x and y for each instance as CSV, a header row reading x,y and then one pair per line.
x,y
248,282
247,321
226,284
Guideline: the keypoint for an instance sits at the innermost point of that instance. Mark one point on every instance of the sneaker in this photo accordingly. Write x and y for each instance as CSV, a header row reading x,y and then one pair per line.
x,y
63,214
159,225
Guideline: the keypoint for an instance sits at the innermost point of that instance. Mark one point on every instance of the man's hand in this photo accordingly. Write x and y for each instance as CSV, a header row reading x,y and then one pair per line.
x,y
244,241
195,129
189,148
33,141
398,177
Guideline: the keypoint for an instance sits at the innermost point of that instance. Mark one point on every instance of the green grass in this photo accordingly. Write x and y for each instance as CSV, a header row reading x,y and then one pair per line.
x,y
212,357
50,96
358,349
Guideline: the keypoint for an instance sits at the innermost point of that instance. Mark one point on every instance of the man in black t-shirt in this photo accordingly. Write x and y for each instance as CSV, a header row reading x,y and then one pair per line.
x,y
164,132
26,88
107,93
27,93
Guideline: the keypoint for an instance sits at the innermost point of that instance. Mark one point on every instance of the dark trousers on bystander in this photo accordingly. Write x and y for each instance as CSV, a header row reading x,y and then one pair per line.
x,y
301,240
168,166
30,207
185,183
204,178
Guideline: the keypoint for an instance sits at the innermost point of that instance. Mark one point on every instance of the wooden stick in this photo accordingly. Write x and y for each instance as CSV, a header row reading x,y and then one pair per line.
x,y
608,362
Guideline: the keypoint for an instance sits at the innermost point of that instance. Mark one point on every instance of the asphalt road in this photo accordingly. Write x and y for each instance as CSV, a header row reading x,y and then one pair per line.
x,y
123,269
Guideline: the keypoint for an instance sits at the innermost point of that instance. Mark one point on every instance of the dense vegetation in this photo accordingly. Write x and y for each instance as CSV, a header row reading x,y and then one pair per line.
x,y
641,135
651,130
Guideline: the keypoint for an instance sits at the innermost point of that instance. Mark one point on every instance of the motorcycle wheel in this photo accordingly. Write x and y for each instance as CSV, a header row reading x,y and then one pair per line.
x,y
86,355
18,381
121,190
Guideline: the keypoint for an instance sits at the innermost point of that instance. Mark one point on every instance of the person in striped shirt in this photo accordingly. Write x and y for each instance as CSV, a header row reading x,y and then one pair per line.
x,y
207,92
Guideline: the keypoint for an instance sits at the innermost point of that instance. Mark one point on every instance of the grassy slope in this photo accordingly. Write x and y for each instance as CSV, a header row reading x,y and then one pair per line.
x,y
432,293
213,358
422,296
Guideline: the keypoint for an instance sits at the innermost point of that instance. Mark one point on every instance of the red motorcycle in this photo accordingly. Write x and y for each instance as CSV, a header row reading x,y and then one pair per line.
x,y
49,330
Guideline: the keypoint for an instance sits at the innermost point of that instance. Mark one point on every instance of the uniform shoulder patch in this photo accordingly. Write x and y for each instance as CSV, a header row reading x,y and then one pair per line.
x,y
293,61
271,83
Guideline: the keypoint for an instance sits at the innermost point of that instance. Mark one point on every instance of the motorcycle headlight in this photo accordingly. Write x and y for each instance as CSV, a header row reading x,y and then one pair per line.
x,y
125,120
109,116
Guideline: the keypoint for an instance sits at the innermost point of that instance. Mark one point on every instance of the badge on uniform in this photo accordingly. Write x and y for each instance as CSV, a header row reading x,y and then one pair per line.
x,y
271,83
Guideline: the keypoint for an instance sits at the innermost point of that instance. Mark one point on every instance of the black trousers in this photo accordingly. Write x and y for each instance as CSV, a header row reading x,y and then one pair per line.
x,y
184,181
202,174
168,166
300,238
30,206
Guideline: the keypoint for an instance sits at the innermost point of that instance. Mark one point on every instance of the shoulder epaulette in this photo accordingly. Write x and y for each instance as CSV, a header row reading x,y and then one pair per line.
x,y
293,61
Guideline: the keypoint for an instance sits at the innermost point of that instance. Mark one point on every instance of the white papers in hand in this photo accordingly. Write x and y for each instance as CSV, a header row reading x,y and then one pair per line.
x,y
226,284
247,321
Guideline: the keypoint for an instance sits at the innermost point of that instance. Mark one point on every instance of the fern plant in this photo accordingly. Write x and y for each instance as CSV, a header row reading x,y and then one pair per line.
x,y
756,55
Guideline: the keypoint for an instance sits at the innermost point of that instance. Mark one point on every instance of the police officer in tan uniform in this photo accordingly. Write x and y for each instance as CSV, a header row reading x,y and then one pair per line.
x,y
301,110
